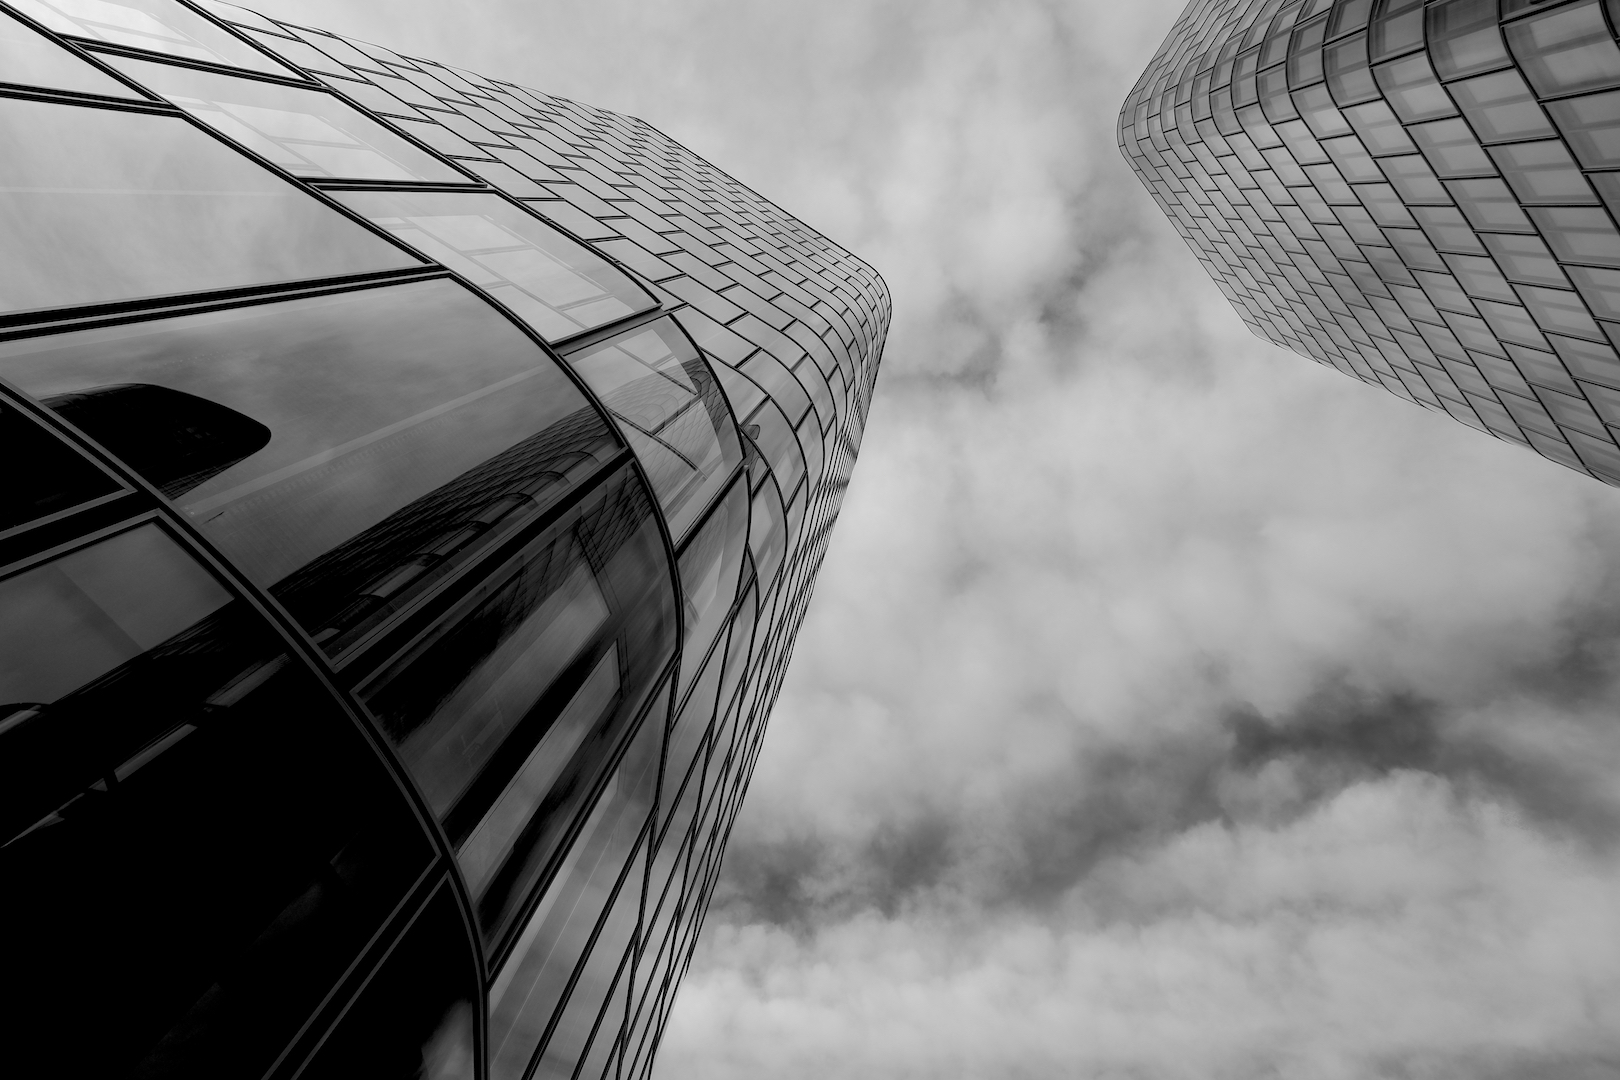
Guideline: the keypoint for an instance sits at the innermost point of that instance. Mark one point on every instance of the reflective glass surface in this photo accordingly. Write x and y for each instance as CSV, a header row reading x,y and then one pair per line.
x,y
29,58
210,840
57,476
507,706
671,411
163,26
98,205
555,284
367,447
307,132
710,564
530,984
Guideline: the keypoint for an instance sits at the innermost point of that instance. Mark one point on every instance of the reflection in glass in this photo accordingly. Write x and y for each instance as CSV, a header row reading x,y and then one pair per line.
x,y
207,839
555,284
29,58
767,531
57,476
162,26
710,563
1566,50
671,411
506,707
1464,37
101,205
307,132
410,428
530,984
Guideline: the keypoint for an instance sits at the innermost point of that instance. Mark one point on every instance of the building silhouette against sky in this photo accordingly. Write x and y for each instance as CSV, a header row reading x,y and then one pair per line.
x,y
1422,195
415,483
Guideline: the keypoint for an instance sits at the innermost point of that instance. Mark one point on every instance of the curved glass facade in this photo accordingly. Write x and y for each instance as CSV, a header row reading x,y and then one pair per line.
x,y
1420,194
417,482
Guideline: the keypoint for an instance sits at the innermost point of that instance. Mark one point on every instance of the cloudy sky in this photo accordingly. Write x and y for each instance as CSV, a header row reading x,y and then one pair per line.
x,y
1169,706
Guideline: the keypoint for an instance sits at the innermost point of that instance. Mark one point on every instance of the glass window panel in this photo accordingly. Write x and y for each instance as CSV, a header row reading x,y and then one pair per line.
x,y
307,132
1464,37
589,1025
709,565
554,283
438,137
1490,205
208,840
1274,100
1501,107
508,706
1396,28
1412,90
1566,50
1412,177
1559,311
1480,277
780,384
1542,172
1587,359
415,1016
1600,288
57,476
162,26
671,410
376,99
767,531
1305,54
29,58
1447,229
530,983
1348,77
239,15
304,55
102,206
409,428
1526,259
1509,322
1592,126
1578,234
774,437
1349,15
1379,129
1451,148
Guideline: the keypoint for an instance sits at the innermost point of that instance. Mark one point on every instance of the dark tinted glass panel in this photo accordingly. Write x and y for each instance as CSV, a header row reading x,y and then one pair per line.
x,y
56,477
555,284
163,26
710,563
508,705
208,840
307,132
1566,50
29,58
671,411
1348,15
528,987
589,1025
1464,37
686,741
415,1017
410,430
101,205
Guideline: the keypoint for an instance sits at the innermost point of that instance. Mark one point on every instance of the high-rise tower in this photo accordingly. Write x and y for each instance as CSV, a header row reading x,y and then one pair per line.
x,y
414,485
1422,195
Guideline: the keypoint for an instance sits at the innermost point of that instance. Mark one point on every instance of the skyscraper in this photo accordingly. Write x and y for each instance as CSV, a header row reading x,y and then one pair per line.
x,y
1422,195
414,485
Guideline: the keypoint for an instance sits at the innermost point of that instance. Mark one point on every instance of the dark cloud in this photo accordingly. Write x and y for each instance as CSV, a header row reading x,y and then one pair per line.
x,y
1170,707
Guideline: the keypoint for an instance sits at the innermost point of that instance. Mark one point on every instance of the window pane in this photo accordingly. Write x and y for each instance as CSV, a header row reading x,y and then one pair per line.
x,y
415,1017
1412,90
1592,126
1349,15
1525,258
1578,234
507,706
1464,37
307,132
1490,206
557,285
671,411
102,205
1542,172
208,841
410,429
767,531
57,476
1348,76
1451,148
29,58
162,26
530,984
1396,28
1566,50
1501,107
709,566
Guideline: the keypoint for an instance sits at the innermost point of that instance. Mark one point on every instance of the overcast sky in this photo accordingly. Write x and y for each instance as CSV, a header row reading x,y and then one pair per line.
x,y
1169,706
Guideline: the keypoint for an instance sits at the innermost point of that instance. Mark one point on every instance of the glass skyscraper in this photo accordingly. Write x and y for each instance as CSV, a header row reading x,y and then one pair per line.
x,y
1422,195
414,484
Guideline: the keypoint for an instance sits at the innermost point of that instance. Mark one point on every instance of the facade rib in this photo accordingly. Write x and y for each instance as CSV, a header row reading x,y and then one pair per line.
x,y
1422,195
418,483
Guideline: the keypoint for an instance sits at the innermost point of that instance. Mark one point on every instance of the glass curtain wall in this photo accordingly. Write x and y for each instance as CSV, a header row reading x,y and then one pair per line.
x,y
1420,194
427,478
